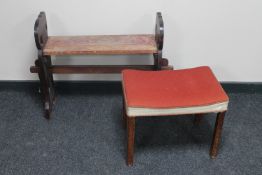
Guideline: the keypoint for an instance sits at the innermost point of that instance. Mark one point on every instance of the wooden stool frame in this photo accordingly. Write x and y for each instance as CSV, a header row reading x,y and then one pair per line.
x,y
45,69
129,123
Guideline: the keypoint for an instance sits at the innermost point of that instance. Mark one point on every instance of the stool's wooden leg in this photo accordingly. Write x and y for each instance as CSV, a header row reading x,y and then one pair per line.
x,y
130,140
197,118
217,134
124,114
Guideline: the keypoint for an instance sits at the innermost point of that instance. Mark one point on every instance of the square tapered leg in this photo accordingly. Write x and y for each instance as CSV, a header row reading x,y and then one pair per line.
x,y
130,140
217,134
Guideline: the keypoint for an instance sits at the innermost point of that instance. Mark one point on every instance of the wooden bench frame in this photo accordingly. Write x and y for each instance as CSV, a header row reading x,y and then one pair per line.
x,y
45,69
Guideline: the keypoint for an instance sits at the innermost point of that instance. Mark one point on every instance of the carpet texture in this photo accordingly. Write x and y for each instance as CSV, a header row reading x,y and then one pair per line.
x,y
85,136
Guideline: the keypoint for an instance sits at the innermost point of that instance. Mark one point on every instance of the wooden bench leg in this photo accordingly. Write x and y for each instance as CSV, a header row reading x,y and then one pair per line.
x,y
197,118
157,60
46,83
51,79
164,62
217,134
130,140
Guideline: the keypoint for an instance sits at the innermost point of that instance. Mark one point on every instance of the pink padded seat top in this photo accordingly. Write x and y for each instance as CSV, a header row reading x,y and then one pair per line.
x,y
172,88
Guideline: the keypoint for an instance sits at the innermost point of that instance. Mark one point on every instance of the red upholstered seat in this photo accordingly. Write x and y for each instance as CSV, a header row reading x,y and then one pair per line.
x,y
173,89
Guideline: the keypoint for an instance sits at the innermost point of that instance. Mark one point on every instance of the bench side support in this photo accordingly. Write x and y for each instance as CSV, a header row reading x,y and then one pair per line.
x,y
159,38
44,63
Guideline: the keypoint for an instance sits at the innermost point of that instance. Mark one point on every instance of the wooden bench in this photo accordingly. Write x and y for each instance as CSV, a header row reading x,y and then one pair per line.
x,y
91,45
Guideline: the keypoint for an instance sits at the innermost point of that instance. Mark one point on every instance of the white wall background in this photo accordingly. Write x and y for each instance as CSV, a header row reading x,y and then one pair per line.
x,y
223,34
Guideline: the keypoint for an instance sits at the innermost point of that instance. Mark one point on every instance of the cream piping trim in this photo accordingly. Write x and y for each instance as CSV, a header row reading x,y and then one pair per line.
x,y
136,112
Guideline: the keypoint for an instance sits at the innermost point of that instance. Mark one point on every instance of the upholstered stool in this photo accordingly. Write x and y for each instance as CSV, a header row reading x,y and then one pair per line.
x,y
170,93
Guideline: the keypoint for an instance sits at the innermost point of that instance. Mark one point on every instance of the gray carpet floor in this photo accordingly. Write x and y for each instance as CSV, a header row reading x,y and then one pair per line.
x,y
85,136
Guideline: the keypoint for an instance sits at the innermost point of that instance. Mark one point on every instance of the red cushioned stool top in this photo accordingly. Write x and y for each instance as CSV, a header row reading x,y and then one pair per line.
x,y
172,88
